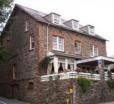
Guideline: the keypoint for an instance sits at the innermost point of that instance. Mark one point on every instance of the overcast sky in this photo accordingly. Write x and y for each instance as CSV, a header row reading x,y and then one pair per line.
x,y
99,13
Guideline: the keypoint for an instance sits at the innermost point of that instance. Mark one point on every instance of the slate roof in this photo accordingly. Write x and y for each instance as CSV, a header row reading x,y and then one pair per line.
x,y
39,16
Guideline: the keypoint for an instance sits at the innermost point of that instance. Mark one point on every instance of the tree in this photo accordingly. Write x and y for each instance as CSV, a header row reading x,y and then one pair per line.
x,y
45,62
5,10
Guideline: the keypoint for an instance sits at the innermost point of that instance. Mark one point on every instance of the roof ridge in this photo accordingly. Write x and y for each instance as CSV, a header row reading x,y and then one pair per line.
x,y
39,16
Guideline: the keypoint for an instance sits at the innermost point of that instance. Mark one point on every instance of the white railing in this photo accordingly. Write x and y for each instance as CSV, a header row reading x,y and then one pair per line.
x,y
69,75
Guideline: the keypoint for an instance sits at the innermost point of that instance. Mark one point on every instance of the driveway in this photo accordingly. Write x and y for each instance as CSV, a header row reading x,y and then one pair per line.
x,y
11,101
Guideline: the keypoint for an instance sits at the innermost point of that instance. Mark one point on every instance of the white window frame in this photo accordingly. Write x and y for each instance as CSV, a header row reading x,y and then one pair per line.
x,y
75,25
79,43
56,19
26,26
92,52
57,43
91,30
32,42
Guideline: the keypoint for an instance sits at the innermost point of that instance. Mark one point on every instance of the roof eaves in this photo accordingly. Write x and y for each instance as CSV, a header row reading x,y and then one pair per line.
x,y
65,27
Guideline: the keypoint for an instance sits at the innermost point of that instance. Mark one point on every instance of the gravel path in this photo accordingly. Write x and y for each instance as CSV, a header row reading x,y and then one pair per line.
x,y
11,101
108,103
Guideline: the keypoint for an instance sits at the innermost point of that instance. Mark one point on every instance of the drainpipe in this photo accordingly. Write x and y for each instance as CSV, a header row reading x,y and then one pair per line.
x,y
47,36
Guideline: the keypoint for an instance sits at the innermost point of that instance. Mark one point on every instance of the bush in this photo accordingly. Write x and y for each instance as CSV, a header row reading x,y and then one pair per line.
x,y
111,84
84,83
45,62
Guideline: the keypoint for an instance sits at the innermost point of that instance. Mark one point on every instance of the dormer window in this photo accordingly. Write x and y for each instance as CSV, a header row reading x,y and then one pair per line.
x,y
75,24
56,19
53,18
91,30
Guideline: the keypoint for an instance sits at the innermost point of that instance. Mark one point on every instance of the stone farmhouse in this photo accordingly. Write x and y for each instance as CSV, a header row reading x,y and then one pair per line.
x,y
30,36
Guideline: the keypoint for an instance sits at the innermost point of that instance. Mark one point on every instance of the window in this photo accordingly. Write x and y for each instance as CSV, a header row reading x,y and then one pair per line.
x,y
30,85
93,51
75,24
14,71
91,30
77,47
26,26
56,19
58,43
32,42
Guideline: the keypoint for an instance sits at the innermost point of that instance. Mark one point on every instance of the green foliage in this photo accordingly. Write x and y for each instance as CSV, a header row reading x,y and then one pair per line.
x,y
5,10
4,55
5,3
111,84
84,83
45,62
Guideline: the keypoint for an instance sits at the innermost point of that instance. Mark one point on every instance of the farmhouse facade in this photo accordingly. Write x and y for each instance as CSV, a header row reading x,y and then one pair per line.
x,y
30,36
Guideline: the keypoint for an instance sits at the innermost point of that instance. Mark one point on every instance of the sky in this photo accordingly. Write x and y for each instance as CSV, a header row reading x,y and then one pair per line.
x,y
99,13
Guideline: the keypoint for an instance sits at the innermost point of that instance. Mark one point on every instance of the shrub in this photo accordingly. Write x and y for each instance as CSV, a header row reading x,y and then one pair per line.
x,y
45,62
84,83
111,84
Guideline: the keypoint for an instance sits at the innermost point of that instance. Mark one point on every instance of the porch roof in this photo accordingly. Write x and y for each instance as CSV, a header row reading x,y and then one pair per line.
x,y
93,61
63,54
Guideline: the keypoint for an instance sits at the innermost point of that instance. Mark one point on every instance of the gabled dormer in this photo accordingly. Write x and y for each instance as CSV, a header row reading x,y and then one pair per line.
x,y
53,18
74,24
88,29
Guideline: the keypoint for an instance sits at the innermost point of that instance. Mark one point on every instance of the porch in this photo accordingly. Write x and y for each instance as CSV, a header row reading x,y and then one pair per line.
x,y
90,68
73,74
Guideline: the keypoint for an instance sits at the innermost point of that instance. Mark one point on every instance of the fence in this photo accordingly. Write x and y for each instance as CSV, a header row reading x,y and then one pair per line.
x,y
69,75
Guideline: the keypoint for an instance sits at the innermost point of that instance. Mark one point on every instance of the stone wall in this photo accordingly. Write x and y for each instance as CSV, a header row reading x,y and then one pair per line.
x,y
17,43
69,41
58,92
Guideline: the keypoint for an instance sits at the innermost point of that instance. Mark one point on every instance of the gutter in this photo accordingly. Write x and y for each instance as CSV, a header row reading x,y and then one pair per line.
x,y
47,38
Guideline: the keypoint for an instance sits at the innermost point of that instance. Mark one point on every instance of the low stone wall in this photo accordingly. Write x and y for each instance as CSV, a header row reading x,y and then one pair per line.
x,y
60,92
56,92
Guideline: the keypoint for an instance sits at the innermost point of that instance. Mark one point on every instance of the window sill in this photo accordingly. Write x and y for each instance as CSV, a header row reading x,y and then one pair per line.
x,y
31,49
78,53
26,31
58,50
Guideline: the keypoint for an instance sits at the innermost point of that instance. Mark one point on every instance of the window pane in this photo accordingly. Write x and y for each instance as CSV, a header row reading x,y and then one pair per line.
x,y
95,51
77,47
54,43
56,19
58,43
91,50
61,44
75,24
32,42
